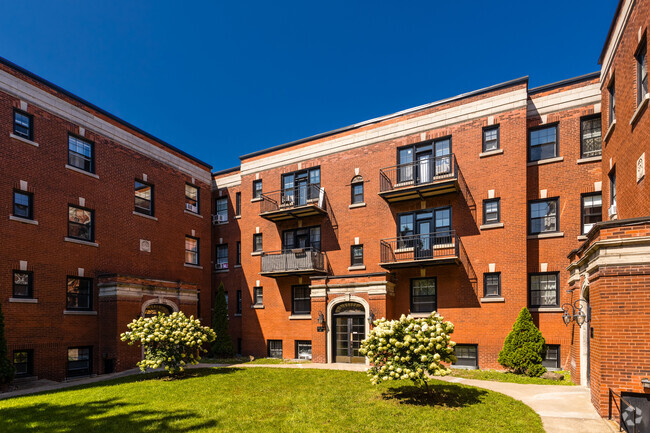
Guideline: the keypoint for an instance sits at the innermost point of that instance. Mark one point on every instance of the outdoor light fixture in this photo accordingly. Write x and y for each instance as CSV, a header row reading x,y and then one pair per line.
x,y
320,319
577,314
371,317
646,382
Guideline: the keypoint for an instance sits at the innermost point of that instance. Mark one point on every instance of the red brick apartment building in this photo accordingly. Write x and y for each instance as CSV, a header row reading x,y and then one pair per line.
x,y
102,223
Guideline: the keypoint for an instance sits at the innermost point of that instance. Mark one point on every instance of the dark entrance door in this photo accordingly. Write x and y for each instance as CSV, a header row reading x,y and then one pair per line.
x,y
349,332
424,247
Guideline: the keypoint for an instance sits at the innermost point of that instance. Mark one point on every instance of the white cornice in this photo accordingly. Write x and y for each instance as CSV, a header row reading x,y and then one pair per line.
x,y
566,100
615,39
226,181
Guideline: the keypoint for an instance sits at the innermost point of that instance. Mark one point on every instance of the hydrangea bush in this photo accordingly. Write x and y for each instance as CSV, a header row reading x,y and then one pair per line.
x,y
409,349
172,341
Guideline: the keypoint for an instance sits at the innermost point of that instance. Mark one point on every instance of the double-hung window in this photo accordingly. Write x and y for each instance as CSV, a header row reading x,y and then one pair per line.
x,y
191,250
492,284
466,355
491,138
221,206
542,143
423,295
611,89
143,198
258,246
590,137
79,361
79,294
275,349
238,204
544,289
238,306
258,296
23,284
300,300
238,258
81,223
24,362
356,255
612,192
357,190
552,357
222,257
491,211
191,198
23,204
592,211
308,237
642,72
303,349
257,188
300,187
543,216
23,125
81,154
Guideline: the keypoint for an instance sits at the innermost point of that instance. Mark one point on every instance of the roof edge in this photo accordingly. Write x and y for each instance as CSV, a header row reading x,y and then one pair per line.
x,y
226,171
611,30
566,82
122,122
386,117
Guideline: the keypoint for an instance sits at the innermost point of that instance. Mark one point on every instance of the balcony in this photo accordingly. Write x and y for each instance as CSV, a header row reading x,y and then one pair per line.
x,y
301,261
420,179
292,203
425,249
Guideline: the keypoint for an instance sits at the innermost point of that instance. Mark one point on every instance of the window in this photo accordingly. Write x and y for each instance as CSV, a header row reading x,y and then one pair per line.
x,y
23,285
491,211
490,138
592,211
466,355
257,188
543,216
300,300
492,284
303,349
612,192
81,223
300,187
552,357
79,294
642,72
191,250
423,295
356,253
357,190
612,101
257,243
143,198
222,257
23,125
24,363
238,204
81,154
24,204
191,198
308,237
542,143
258,296
275,349
238,306
221,206
544,289
422,162
79,361
590,137
424,222
238,259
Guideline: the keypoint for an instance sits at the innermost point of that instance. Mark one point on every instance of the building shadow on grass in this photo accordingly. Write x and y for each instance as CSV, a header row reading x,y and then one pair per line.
x,y
439,395
103,416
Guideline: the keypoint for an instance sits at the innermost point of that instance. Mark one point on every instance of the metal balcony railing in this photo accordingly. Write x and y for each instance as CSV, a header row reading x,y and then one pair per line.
x,y
294,200
629,416
295,261
425,246
421,172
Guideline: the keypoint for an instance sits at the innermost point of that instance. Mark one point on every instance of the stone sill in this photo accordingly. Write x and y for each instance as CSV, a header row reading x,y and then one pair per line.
x,y
300,317
610,129
236,266
145,216
464,367
546,161
419,315
357,268
590,159
253,200
237,315
546,310
257,307
79,313
24,300
546,235
23,139
80,242
582,238
192,213
189,265
222,223
78,170
640,109
237,217
493,299
491,226
356,205
23,220
220,271
257,253
490,153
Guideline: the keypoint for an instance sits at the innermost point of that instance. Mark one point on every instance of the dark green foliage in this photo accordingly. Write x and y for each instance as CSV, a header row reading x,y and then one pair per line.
x,y
222,345
6,366
524,347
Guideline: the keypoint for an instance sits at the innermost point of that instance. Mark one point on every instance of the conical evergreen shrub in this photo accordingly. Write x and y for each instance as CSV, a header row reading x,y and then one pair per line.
x,y
222,345
6,366
524,347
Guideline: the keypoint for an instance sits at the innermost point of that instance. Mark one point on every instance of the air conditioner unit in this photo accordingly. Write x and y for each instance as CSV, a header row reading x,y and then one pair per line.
x,y
220,266
191,207
612,210
218,219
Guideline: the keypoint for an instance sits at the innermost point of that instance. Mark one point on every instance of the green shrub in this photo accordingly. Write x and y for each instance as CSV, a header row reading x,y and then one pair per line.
x,y
524,347
222,345
6,366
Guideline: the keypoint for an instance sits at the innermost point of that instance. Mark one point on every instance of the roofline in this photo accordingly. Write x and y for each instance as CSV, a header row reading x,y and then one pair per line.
x,y
386,117
611,30
226,171
566,82
100,110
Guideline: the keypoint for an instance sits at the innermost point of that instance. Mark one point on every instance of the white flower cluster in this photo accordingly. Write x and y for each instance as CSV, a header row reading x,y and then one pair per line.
x,y
173,340
409,348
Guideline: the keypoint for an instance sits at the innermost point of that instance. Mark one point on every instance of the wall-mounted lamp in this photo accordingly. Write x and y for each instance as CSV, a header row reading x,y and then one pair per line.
x,y
576,313
645,382
371,317
321,318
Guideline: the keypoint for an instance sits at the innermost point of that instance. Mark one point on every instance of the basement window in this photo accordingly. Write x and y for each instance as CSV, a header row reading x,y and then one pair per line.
x,y
466,355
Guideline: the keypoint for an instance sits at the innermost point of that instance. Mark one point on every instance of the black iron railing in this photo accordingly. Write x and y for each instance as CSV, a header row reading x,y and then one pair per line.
x,y
629,416
295,260
425,246
292,198
421,172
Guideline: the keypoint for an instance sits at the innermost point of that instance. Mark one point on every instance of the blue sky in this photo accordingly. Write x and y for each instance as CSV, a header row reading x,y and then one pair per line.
x,y
222,79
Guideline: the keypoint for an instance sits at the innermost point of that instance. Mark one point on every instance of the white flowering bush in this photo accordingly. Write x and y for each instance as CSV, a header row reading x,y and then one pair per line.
x,y
172,341
409,349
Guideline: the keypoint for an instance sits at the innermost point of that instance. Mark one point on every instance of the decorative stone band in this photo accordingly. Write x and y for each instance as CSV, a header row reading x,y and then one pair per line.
x,y
125,287
371,288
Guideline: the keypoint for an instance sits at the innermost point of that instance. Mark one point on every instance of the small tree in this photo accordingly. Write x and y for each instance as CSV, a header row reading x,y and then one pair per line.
x,y
409,349
172,341
524,347
6,366
222,345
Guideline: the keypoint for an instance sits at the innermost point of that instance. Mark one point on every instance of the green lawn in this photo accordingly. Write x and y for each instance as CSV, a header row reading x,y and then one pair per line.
x,y
265,400
500,376
242,360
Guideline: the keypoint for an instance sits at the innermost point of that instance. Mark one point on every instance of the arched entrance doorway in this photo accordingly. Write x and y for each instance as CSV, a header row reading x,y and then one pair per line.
x,y
585,336
152,310
349,320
